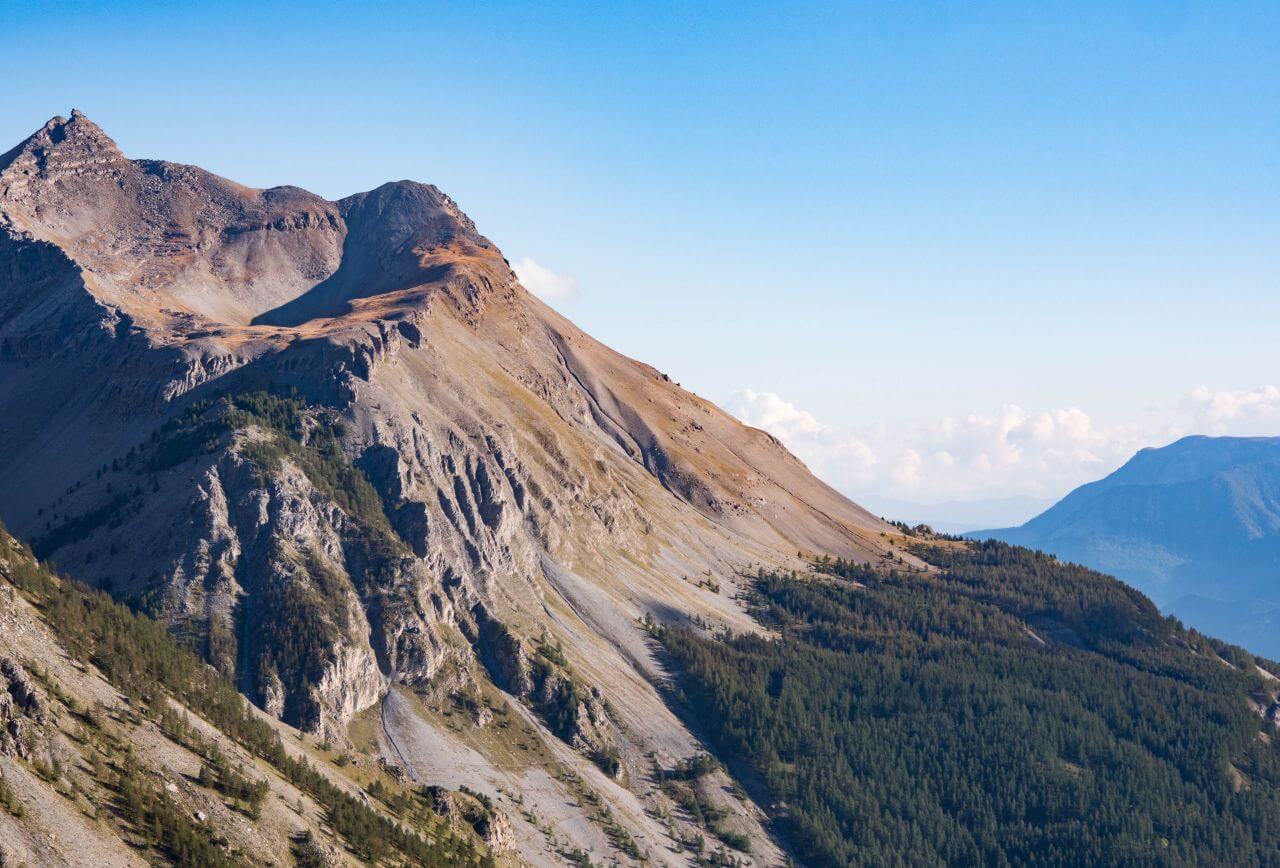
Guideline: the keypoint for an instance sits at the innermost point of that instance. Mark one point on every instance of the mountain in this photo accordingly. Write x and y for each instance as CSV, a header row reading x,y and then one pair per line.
x,y
343,455
957,516
1195,525
328,544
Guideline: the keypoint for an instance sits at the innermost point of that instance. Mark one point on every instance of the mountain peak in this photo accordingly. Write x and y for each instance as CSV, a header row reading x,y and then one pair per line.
x,y
81,134
62,144
79,130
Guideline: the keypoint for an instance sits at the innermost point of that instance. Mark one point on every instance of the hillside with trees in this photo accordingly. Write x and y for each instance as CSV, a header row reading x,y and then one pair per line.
x,y
999,708
1195,525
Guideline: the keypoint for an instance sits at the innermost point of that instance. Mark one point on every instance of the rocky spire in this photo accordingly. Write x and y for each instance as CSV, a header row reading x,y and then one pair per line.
x,y
62,146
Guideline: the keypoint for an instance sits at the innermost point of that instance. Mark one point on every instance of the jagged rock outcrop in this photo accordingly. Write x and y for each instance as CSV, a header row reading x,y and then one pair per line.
x,y
468,809
129,754
491,430
310,850
494,829
22,711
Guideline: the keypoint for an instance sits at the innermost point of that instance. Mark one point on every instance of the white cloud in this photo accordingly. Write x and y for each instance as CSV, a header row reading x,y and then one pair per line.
x,y
841,458
769,412
1012,451
542,281
1247,411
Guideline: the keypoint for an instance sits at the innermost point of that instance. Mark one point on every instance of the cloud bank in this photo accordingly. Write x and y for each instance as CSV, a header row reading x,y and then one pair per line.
x,y
542,281
1247,412
1012,451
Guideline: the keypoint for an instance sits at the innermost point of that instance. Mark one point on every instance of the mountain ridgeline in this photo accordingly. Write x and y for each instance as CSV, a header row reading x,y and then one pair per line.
x,y
1195,525
496,594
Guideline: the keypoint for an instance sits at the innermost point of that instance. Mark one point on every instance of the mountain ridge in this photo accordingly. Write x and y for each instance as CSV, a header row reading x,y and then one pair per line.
x,y
1198,519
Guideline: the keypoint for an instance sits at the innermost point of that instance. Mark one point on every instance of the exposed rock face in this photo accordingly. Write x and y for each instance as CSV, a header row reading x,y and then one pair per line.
x,y
312,851
462,809
22,711
435,438
494,828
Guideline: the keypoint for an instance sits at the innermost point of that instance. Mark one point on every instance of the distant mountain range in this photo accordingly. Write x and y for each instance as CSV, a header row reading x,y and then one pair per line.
x,y
1195,525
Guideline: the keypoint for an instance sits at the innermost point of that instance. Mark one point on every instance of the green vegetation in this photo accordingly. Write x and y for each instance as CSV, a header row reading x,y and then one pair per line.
x,y
9,800
301,610
146,664
682,785
163,824
311,437
218,774
305,852
181,439
1003,709
559,697
217,771
288,427
304,619
719,858
110,514
556,698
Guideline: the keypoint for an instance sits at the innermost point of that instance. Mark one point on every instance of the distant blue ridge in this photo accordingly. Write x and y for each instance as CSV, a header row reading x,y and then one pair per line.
x,y
1195,525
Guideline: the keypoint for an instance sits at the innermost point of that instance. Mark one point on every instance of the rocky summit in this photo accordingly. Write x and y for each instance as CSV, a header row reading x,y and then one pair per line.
x,y
397,501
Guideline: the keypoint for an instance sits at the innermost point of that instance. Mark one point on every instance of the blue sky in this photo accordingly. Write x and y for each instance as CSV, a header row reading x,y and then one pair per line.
x,y
881,216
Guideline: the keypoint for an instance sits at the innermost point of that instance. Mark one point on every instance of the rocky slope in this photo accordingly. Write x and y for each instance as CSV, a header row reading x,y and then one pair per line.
x,y
144,754
1195,525
339,450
